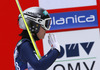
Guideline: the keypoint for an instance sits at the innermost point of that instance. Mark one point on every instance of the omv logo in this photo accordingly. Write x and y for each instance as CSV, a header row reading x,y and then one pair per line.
x,y
78,19
72,50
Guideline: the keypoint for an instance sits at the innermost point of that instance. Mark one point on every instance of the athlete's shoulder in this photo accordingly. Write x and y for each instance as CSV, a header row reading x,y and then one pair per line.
x,y
24,44
23,41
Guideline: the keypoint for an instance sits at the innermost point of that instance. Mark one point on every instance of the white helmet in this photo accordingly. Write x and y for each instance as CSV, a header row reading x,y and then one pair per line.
x,y
35,17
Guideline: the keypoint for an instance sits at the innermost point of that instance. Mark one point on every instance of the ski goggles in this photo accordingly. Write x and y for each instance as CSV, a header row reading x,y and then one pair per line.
x,y
45,23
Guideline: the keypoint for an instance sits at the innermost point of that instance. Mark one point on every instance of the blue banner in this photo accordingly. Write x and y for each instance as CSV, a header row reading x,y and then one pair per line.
x,y
76,19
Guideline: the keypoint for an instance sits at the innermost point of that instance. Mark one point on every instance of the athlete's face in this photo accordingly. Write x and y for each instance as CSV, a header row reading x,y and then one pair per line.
x,y
41,33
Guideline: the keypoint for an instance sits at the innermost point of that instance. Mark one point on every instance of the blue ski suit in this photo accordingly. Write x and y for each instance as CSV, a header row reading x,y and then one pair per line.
x,y
25,57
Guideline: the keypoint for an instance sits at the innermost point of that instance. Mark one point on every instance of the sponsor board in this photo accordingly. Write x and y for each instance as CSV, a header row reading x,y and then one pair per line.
x,y
57,4
79,50
77,19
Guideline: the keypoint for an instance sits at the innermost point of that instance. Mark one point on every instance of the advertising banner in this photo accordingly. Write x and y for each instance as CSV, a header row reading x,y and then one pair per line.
x,y
75,19
79,50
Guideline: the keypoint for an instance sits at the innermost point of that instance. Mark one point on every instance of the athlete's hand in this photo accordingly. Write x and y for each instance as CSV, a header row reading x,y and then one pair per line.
x,y
53,42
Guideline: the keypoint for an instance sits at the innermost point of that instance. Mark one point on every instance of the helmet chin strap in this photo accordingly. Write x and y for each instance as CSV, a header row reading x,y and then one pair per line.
x,y
35,37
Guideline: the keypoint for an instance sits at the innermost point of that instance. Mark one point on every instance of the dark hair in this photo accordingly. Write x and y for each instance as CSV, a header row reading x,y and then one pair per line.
x,y
24,34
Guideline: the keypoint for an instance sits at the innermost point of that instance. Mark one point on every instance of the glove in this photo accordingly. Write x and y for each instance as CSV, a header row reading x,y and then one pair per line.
x,y
53,42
